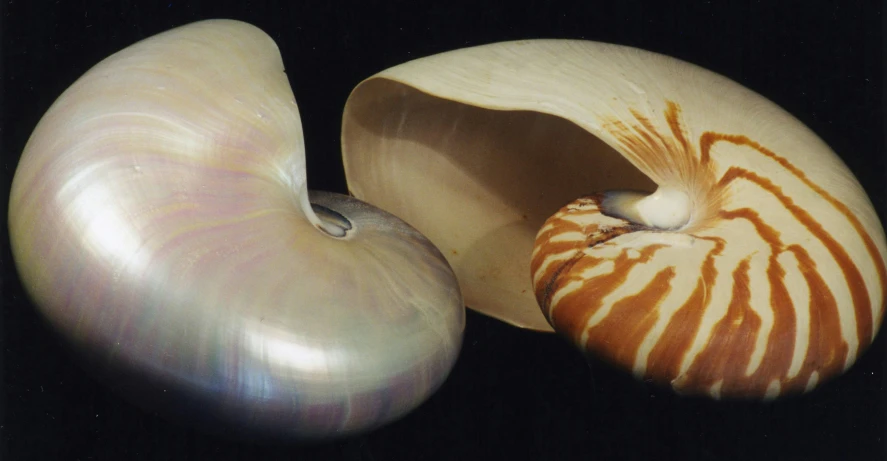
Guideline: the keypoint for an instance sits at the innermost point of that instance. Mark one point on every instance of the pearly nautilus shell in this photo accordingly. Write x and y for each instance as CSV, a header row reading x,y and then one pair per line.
x,y
717,245
160,220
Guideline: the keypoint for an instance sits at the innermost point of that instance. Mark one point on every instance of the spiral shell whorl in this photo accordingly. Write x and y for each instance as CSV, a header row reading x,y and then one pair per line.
x,y
753,297
762,273
160,221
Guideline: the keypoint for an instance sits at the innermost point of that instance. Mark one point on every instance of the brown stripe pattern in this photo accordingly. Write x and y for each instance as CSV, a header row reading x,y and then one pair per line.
x,y
771,288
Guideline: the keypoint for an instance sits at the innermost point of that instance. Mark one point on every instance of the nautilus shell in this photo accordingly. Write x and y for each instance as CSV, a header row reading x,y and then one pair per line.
x,y
717,245
160,220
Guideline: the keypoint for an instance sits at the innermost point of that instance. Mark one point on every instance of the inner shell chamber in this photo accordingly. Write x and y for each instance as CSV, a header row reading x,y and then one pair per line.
x,y
479,183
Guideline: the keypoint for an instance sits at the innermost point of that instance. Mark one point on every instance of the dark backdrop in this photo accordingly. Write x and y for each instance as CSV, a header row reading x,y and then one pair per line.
x,y
513,393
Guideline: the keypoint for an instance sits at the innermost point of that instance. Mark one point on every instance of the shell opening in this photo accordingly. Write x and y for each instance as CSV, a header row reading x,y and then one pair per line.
x,y
478,182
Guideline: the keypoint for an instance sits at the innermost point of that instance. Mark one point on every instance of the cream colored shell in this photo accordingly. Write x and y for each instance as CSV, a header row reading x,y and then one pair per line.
x,y
756,268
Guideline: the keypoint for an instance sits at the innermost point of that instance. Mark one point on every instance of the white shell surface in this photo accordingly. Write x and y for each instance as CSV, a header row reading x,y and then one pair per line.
x,y
499,137
160,220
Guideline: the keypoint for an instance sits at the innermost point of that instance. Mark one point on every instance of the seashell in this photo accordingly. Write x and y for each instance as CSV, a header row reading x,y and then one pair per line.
x,y
718,245
160,221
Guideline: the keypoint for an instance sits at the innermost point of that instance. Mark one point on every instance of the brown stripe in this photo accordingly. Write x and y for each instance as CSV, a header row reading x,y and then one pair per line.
x,y
673,117
827,350
546,286
619,335
730,345
664,361
639,143
649,131
575,309
781,340
855,283
862,304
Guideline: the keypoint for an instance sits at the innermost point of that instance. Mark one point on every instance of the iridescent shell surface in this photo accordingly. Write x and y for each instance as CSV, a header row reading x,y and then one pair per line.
x,y
160,221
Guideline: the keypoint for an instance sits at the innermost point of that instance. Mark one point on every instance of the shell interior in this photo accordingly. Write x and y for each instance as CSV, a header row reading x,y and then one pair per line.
x,y
478,182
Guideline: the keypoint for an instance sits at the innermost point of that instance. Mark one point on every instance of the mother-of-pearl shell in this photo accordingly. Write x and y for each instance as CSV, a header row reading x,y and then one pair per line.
x,y
160,221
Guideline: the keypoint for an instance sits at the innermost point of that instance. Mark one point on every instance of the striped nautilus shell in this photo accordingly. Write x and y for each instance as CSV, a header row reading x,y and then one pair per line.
x,y
718,246
160,220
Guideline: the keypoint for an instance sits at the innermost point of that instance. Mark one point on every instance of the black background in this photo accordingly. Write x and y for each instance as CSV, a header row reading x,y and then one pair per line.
x,y
513,394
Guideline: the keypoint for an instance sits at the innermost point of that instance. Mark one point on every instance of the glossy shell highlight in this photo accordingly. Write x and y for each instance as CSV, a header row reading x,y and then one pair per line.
x,y
160,220
747,262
